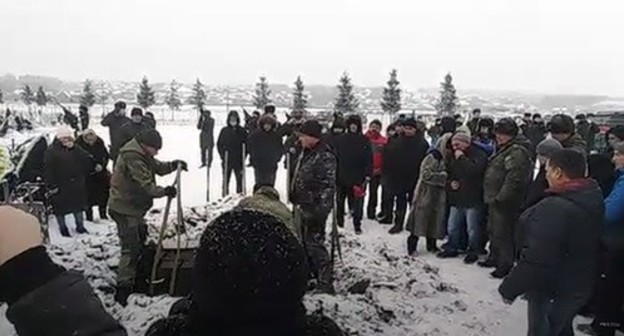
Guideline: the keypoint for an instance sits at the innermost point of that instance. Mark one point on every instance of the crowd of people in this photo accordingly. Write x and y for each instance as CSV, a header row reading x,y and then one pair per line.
x,y
534,200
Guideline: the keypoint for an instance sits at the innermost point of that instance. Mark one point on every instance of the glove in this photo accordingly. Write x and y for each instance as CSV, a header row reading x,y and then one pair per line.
x,y
171,192
181,163
359,191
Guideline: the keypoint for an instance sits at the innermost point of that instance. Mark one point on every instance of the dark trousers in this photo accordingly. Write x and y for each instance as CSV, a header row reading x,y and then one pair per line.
x,y
206,156
550,316
400,200
78,217
238,174
610,296
386,203
314,238
501,229
265,176
101,210
356,206
373,187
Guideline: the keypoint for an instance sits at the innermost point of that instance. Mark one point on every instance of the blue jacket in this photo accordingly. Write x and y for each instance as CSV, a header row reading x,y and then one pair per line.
x,y
614,203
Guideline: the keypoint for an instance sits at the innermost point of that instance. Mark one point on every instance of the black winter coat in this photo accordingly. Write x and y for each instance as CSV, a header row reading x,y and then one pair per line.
x,y
560,250
66,170
537,189
536,132
469,171
206,136
265,149
84,120
115,122
231,140
54,302
355,159
132,129
98,183
402,157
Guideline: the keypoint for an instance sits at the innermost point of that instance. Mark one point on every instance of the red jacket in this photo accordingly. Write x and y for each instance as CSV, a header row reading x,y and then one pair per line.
x,y
378,142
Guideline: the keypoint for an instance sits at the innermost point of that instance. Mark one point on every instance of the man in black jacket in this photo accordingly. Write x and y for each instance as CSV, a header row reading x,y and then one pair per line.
x,y
355,167
114,121
136,126
231,147
265,150
206,137
402,158
557,265
83,114
465,168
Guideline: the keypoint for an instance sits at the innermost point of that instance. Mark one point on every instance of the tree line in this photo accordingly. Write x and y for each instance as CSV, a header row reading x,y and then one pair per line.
x,y
346,101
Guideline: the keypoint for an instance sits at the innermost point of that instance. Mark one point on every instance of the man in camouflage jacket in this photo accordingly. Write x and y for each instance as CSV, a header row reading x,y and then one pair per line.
x,y
505,184
133,189
312,191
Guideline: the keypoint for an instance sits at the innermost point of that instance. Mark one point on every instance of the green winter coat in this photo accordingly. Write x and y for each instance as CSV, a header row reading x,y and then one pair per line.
x,y
507,176
576,142
133,184
266,199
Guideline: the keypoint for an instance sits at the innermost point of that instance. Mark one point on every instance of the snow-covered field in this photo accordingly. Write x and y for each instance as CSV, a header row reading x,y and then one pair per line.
x,y
407,296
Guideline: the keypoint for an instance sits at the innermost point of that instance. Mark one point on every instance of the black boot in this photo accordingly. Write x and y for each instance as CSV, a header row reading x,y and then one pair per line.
x,y
398,224
432,245
81,229
500,272
102,211
121,295
326,281
89,214
64,231
488,263
412,245
358,227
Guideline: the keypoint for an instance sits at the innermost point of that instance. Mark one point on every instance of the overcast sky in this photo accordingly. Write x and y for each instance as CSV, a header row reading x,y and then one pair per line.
x,y
552,46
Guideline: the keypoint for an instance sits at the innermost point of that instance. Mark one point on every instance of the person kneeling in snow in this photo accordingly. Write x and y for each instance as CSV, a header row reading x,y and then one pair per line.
x,y
250,276
133,189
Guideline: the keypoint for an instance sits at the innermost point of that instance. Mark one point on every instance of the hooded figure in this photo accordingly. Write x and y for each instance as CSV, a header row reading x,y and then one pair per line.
x,y
206,137
337,129
355,167
249,278
230,145
265,150
426,218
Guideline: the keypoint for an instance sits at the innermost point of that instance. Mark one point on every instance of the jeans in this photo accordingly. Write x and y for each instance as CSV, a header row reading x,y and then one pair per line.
x,y
78,216
550,316
373,186
265,176
461,220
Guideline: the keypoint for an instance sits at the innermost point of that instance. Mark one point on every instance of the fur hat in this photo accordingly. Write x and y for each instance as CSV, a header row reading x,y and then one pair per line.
x,y
561,124
410,122
462,137
311,128
136,111
506,126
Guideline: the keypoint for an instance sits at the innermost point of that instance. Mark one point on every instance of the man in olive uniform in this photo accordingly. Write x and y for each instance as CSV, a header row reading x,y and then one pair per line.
x,y
505,184
133,189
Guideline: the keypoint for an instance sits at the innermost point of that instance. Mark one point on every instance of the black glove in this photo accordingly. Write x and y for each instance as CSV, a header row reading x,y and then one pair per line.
x,y
171,192
181,163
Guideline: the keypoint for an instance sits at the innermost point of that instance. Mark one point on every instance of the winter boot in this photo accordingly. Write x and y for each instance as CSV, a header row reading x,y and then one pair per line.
x,y
81,229
432,245
412,244
487,263
471,258
448,254
64,231
121,295
357,225
398,223
396,229
500,272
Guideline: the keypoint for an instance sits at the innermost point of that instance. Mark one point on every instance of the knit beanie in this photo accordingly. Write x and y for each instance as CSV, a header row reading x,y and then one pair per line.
x,y
548,146
150,138
462,137
311,128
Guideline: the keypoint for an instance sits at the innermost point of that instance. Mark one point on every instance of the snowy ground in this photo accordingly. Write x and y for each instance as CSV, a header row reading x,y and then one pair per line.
x,y
408,296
